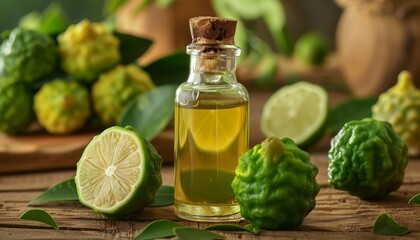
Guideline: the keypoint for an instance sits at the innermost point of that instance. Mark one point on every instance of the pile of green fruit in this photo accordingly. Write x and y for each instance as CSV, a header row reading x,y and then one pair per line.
x,y
62,82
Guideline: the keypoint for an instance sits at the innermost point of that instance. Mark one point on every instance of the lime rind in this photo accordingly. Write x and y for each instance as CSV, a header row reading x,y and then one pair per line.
x,y
293,122
147,181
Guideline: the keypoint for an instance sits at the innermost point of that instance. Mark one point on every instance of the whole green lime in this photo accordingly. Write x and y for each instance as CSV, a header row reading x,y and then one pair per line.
x,y
87,49
275,184
312,48
15,107
118,173
27,55
115,88
62,106
367,159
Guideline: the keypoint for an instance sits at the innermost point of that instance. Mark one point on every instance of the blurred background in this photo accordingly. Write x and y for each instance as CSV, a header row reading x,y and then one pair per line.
x,y
302,15
355,49
263,32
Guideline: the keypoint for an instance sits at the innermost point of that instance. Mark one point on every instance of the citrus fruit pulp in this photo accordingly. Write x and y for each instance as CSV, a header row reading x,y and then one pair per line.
x,y
298,111
118,173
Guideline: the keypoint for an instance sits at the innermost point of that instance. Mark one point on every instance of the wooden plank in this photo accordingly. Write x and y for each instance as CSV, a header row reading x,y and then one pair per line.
x,y
42,151
336,215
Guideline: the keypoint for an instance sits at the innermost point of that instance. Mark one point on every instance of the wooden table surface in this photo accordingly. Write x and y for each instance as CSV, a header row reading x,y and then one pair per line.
x,y
337,215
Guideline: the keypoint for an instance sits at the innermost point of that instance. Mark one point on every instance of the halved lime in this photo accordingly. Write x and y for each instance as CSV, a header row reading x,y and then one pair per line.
x,y
298,111
118,173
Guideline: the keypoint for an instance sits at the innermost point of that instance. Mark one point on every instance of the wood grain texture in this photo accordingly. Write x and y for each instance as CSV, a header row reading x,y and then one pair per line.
x,y
336,215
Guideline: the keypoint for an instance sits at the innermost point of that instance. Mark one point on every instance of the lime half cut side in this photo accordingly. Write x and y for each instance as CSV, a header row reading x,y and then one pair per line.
x,y
298,111
118,173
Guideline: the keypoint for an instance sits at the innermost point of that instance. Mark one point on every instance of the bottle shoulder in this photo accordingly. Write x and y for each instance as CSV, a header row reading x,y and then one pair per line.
x,y
222,94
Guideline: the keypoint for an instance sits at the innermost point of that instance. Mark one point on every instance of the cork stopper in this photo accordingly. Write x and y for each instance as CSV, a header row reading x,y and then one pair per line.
x,y
213,30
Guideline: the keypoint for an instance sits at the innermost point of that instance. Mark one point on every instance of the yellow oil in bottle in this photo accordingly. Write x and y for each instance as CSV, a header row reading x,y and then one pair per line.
x,y
209,139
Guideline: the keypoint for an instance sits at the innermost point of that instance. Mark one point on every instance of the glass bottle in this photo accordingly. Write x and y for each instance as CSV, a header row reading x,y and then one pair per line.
x,y
211,125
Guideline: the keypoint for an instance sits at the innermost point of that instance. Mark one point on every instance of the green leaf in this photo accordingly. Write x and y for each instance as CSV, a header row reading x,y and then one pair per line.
x,y
54,19
171,69
415,199
248,9
235,228
187,233
385,225
223,8
353,109
132,47
39,216
64,191
111,6
275,19
164,197
158,229
151,112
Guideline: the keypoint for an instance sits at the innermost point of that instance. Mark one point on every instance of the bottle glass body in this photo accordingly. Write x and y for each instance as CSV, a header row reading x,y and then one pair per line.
x,y
211,133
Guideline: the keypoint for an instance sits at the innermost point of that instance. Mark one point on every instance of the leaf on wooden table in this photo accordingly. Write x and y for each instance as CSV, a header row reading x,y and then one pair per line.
x,y
235,228
415,199
64,191
158,229
151,112
39,216
187,233
385,225
132,47
164,197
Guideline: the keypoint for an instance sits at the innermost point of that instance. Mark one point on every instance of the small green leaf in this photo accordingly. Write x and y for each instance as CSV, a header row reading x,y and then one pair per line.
x,y
39,216
172,69
415,199
151,112
164,197
158,229
64,191
187,233
385,225
235,228
132,47
353,109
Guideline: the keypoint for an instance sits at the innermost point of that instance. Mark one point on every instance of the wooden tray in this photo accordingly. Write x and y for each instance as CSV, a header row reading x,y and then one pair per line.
x,y
42,151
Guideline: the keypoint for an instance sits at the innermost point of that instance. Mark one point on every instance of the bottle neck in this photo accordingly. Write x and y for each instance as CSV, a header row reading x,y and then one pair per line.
x,y
213,60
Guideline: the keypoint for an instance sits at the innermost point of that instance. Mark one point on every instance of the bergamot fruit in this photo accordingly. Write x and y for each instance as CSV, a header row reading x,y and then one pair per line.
x,y
275,184
15,106
118,173
400,106
87,49
27,55
367,159
62,106
114,89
